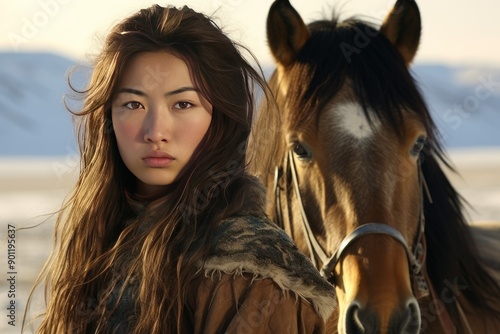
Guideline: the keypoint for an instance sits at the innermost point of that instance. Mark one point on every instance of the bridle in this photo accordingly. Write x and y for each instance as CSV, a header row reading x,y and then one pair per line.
x,y
416,256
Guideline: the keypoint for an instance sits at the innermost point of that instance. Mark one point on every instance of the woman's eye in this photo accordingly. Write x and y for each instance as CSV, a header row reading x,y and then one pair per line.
x,y
134,105
182,105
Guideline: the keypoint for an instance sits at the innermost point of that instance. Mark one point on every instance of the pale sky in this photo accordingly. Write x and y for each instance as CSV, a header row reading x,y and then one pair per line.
x,y
454,31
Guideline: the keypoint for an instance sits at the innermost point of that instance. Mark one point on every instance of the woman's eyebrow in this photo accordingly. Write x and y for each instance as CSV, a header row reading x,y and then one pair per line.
x,y
173,92
131,91
181,90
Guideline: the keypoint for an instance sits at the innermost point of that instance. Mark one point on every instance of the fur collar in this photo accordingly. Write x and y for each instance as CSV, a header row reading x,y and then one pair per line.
x,y
249,244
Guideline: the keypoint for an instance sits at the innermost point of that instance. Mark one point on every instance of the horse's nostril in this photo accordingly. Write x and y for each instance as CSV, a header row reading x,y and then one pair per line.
x,y
353,324
361,320
413,325
407,320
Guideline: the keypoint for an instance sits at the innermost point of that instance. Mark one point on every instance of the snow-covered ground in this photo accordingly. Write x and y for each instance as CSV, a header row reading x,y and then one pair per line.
x,y
38,161
32,189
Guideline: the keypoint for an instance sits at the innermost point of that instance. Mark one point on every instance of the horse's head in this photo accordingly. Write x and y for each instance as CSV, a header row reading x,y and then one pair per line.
x,y
349,135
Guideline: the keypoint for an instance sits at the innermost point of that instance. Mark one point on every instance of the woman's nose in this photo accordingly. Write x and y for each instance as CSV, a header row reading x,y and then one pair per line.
x,y
156,126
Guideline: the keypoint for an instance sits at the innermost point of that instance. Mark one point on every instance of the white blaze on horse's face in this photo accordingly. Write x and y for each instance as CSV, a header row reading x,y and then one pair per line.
x,y
353,121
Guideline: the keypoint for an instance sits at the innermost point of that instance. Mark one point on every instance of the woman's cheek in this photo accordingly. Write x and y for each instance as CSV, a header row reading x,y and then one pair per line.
x,y
126,130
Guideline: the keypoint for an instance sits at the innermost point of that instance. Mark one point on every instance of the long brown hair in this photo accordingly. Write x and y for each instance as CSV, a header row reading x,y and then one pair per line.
x,y
95,251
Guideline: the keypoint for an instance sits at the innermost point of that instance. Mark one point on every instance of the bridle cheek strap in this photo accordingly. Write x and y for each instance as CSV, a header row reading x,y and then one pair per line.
x,y
315,249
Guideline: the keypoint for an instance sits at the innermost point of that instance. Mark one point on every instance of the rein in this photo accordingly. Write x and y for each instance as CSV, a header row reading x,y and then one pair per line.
x,y
416,256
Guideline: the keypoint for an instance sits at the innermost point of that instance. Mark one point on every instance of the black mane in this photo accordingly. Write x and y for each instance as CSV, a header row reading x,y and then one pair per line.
x,y
359,52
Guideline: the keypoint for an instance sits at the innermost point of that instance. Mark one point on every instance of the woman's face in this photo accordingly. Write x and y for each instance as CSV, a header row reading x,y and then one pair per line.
x,y
159,118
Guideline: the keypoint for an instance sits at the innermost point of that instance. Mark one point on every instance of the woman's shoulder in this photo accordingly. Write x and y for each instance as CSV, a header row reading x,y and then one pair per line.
x,y
253,245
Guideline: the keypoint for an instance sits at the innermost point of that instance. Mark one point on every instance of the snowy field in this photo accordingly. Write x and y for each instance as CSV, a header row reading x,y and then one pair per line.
x,y
30,189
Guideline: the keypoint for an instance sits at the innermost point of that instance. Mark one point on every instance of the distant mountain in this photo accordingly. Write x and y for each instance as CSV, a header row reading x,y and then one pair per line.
x,y
464,100
33,119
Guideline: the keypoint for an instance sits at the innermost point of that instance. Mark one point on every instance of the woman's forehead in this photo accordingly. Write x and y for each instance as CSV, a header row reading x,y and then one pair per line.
x,y
151,70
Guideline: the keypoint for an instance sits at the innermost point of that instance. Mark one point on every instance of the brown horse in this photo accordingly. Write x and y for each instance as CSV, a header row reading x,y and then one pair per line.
x,y
353,167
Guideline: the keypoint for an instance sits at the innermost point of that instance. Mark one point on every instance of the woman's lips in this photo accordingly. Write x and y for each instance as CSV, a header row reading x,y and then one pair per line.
x,y
158,159
157,162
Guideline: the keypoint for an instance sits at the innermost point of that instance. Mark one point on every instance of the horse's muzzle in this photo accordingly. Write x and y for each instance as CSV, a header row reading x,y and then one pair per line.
x,y
365,320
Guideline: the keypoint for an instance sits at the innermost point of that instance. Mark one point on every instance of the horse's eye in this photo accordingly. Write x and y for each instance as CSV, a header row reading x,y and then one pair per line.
x,y
301,151
418,146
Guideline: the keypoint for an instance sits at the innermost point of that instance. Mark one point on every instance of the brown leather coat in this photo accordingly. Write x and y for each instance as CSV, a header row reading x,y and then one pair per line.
x,y
238,304
257,281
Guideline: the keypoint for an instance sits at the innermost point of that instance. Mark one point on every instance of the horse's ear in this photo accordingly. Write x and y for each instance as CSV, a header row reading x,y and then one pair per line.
x,y
402,27
286,32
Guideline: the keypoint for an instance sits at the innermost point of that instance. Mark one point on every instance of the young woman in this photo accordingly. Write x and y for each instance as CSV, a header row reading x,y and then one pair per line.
x,y
165,231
